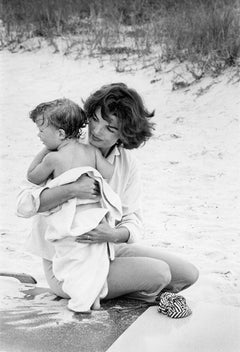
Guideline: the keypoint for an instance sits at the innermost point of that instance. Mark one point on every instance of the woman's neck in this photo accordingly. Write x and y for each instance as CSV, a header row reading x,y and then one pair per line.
x,y
107,151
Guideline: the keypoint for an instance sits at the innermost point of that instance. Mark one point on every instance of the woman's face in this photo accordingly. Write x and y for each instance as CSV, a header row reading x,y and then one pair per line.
x,y
103,134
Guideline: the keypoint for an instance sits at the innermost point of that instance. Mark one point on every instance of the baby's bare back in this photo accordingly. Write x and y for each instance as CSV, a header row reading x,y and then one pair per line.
x,y
73,155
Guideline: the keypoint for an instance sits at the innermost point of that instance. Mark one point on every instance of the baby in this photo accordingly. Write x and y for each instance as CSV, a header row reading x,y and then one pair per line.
x,y
59,123
83,268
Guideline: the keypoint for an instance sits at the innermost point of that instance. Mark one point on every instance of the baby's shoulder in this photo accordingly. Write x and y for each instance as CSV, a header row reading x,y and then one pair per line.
x,y
86,148
54,159
52,156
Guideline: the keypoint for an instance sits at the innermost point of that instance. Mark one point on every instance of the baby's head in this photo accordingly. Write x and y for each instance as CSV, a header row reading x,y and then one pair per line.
x,y
62,114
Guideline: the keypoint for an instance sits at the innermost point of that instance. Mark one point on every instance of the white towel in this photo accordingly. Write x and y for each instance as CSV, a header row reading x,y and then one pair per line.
x,y
82,267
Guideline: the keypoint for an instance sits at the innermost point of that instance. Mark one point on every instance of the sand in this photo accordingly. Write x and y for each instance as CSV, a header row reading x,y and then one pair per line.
x,y
190,168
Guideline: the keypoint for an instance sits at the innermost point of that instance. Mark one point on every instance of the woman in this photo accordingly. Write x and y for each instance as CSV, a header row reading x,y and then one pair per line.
x,y
118,121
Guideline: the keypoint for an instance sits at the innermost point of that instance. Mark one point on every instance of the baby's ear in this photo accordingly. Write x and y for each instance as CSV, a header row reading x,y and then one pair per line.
x,y
62,133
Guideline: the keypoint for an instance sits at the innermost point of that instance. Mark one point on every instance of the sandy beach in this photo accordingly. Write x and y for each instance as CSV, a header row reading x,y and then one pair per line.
x,y
190,168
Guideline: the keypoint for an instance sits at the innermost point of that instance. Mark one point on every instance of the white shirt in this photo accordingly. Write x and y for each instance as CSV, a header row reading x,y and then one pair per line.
x,y
125,182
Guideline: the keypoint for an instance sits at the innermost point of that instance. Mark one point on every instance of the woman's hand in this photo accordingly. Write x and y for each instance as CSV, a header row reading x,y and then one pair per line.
x,y
102,233
85,188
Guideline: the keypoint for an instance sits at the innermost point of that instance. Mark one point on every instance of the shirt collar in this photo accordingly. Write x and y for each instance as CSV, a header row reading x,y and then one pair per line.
x,y
114,152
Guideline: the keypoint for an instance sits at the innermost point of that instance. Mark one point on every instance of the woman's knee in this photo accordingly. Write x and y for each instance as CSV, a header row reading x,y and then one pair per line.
x,y
192,275
188,277
161,275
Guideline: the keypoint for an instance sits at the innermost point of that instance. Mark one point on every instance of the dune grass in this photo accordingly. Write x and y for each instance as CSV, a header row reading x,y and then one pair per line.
x,y
203,32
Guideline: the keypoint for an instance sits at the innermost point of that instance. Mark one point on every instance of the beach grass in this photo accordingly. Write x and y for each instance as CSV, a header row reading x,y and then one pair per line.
x,y
205,33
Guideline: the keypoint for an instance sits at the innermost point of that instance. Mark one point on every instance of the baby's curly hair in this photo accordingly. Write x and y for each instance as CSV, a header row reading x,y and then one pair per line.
x,y
126,104
63,114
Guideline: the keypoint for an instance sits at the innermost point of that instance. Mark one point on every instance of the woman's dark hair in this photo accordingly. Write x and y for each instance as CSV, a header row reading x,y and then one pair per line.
x,y
126,104
63,114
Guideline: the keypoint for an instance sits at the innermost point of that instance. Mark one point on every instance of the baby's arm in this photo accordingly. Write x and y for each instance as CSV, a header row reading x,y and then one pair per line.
x,y
41,167
103,166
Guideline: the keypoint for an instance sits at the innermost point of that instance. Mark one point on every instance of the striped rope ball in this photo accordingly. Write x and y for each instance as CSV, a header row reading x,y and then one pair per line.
x,y
174,306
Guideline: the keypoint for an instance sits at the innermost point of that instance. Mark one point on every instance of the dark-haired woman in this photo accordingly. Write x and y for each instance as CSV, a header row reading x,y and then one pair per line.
x,y
118,122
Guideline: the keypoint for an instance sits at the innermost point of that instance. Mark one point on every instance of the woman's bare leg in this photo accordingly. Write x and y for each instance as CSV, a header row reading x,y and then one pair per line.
x,y
183,273
141,272
140,278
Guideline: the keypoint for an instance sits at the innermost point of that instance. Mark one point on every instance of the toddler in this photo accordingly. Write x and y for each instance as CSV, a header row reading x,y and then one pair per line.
x,y
59,123
63,160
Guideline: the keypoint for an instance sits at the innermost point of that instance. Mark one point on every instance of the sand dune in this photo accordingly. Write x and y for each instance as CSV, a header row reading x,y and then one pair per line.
x,y
190,168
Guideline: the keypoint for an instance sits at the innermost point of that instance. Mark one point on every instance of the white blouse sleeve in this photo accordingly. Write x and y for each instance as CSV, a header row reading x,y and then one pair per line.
x,y
131,204
28,199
